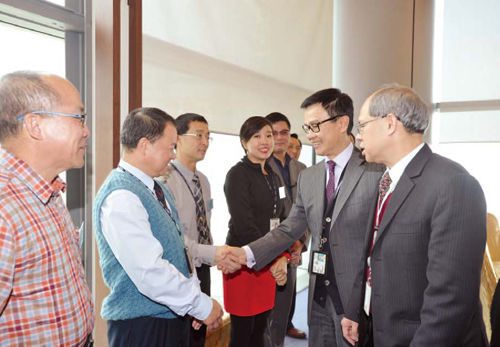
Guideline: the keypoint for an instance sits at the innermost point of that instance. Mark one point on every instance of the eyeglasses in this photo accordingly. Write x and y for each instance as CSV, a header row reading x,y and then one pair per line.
x,y
82,117
315,126
201,137
360,126
282,133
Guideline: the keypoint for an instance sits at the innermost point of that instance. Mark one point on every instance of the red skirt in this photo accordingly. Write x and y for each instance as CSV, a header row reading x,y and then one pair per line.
x,y
248,292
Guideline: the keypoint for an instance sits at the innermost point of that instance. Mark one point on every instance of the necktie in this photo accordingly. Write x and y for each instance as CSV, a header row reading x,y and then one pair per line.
x,y
385,184
330,187
201,220
160,196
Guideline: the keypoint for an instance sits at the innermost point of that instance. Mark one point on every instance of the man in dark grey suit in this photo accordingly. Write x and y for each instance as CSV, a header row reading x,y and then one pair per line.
x,y
333,201
287,170
418,284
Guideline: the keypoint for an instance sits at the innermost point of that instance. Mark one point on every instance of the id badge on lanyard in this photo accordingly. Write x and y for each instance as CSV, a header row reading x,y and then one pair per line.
x,y
318,266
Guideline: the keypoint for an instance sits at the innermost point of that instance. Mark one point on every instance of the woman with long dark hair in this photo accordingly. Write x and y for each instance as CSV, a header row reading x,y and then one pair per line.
x,y
252,194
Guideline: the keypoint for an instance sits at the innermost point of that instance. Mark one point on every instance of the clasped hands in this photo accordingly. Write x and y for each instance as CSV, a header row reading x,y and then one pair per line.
x,y
229,259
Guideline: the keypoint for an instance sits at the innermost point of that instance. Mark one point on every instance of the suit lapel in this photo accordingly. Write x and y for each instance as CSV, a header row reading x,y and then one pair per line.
x,y
317,188
404,187
294,172
277,171
352,174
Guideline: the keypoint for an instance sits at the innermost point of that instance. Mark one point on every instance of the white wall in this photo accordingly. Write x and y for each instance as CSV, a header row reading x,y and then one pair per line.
x,y
230,60
375,43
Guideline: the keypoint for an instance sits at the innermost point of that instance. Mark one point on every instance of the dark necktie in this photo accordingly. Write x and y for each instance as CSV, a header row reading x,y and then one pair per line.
x,y
201,215
161,198
384,186
330,187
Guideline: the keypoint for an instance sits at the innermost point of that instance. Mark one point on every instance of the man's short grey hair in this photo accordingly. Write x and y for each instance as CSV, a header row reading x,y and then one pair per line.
x,y
402,102
22,92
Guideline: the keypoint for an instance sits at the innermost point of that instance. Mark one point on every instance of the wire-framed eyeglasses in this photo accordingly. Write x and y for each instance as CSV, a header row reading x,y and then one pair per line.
x,y
200,137
82,117
360,126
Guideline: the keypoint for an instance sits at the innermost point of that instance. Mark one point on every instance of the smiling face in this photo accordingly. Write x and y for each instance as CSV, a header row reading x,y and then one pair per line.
x,y
65,138
281,133
294,148
332,138
192,148
260,146
160,152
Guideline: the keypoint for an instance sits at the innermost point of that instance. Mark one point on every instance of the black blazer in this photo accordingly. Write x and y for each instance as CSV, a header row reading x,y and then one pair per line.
x,y
250,202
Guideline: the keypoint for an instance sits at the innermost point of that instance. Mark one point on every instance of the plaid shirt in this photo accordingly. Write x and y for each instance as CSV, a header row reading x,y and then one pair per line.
x,y
44,299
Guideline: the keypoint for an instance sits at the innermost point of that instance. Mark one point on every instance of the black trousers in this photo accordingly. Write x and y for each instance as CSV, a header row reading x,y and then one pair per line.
x,y
197,338
149,332
289,324
248,331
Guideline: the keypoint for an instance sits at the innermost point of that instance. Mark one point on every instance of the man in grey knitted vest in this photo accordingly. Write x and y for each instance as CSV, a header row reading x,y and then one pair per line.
x,y
143,257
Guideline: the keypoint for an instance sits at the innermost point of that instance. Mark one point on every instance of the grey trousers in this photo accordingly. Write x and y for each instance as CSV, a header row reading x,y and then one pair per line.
x,y
324,328
278,319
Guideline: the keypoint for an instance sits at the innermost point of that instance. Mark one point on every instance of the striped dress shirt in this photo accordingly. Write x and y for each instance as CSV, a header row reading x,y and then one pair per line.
x,y
44,299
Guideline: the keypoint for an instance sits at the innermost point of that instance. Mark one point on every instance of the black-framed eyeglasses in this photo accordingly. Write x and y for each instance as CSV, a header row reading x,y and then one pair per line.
x,y
360,126
200,137
315,126
82,117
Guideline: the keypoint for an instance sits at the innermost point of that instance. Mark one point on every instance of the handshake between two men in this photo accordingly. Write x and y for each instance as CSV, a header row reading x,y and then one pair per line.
x,y
230,259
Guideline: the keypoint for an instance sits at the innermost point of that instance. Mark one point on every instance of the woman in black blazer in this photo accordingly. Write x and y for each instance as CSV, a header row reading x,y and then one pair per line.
x,y
252,194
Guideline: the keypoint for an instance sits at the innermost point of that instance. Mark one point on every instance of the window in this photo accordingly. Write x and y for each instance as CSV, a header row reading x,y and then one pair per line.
x,y
50,36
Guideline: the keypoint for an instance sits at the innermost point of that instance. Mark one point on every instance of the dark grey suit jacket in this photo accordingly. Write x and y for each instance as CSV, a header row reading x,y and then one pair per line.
x,y
427,258
356,196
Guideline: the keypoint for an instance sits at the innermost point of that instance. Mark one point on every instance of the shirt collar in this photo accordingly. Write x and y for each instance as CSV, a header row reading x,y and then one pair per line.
x,y
144,178
287,160
342,159
33,180
188,174
397,170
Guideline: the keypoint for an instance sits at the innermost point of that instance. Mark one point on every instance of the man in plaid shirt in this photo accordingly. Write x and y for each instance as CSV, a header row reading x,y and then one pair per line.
x,y
44,300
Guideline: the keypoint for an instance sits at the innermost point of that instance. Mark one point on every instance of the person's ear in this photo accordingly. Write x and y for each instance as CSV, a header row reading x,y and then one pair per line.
x,y
344,123
33,126
143,145
392,123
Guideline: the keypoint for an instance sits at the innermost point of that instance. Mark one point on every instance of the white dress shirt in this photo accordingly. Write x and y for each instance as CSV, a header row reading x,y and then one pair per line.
x,y
340,163
126,228
397,170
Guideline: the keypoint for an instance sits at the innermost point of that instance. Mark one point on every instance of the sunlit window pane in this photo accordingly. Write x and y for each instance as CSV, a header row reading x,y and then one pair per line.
x,y
58,2
30,50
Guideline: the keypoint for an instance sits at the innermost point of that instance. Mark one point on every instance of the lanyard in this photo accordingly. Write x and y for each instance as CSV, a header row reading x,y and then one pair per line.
x,y
273,190
156,198
189,188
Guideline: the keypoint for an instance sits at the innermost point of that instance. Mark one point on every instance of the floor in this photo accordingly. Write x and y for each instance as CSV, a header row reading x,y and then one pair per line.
x,y
299,320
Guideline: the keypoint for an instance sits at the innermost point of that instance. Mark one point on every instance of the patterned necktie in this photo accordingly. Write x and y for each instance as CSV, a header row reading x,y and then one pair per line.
x,y
201,220
161,197
385,184
330,187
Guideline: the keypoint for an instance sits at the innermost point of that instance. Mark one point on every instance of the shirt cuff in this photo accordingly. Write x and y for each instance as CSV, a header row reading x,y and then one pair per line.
x,y
250,257
204,308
